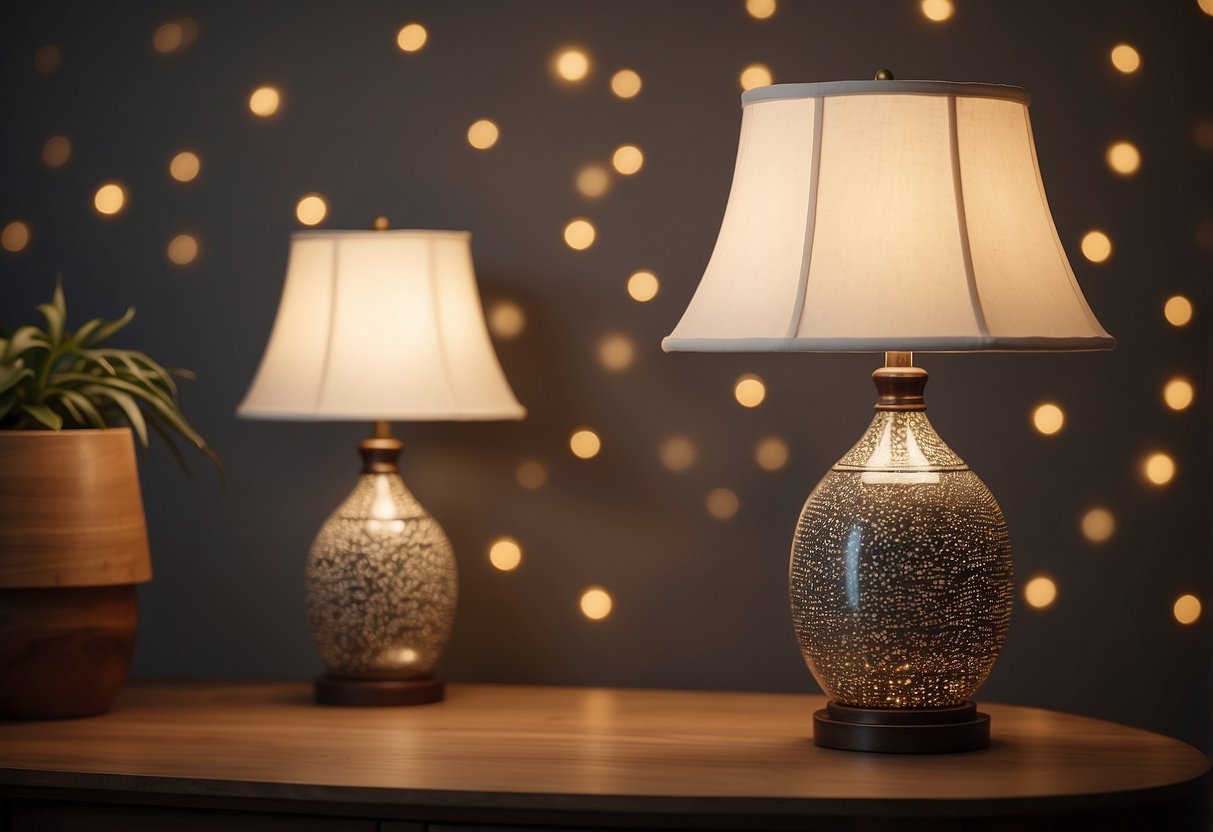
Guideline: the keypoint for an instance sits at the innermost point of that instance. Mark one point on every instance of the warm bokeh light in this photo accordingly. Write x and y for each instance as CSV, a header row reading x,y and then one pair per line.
x,y
264,101
1048,418
483,134
749,390
677,453
109,199
1159,468
183,249
1178,393
760,9
531,474
1124,158
1125,58
1098,525
411,37
1202,132
1178,310
626,83
47,59
185,166
1096,246
584,443
1187,607
311,209
596,603
627,159
593,180
616,352
1206,6
56,151
771,453
572,64
643,286
1040,592
756,75
937,10
722,503
15,236
506,319
168,38
505,554
579,234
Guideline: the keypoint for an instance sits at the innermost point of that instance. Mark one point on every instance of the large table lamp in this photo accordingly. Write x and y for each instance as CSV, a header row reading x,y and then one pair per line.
x,y
896,217
380,326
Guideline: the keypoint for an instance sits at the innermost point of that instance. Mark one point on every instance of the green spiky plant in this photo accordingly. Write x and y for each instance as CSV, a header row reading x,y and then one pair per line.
x,y
53,379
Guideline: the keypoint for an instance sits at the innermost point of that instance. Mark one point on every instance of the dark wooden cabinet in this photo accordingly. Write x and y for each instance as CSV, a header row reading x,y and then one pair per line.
x,y
506,759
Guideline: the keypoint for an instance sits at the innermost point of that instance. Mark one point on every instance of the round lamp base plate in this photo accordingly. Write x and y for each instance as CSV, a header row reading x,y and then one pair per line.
x,y
909,731
375,693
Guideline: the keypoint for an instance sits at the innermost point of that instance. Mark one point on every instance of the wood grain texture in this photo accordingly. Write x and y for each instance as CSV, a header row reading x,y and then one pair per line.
x,y
71,513
735,755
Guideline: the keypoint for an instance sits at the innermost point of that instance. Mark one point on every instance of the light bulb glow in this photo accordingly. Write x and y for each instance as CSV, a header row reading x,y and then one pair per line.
x,y
15,236
722,503
771,453
1178,310
109,199
1098,525
1048,418
627,159
584,443
411,37
572,64
643,286
755,75
1178,393
264,101
56,151
311,209
505,554
626,83
506,319
1186,609
1096,246
579,234
1124,158
596,603
483,134
1159,468
1040,592
183,249
937,11
760,9
185,166
677,453
749,390
1125,58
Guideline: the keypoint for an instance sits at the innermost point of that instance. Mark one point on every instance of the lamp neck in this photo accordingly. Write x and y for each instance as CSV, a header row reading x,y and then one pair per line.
x,y
899,384
380,452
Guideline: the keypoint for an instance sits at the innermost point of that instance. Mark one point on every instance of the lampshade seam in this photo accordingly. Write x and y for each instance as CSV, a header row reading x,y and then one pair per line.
x,y
810,222
442,354
966,249
332,324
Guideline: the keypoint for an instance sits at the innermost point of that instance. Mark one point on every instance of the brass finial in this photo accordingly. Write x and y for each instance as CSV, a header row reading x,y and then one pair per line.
x,y
884,75
381,223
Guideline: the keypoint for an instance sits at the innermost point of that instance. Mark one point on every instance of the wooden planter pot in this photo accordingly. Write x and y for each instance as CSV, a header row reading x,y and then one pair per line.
x,y
73,547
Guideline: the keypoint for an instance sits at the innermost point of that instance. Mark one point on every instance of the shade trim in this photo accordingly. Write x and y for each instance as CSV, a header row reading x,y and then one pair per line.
x,y
489,415
968,89
324,234
958,343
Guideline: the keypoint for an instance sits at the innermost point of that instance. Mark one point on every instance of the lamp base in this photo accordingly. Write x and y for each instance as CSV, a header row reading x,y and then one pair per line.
x,y
375,693
888,731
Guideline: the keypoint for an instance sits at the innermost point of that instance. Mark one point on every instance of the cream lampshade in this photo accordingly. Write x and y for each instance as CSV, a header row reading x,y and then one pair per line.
x,y
380,326
892,216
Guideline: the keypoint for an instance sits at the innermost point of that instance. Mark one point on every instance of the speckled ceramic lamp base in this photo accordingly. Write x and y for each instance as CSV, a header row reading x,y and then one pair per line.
x,y
917,731
374,693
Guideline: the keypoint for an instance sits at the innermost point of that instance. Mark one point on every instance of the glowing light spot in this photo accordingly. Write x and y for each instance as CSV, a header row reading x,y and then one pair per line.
x,y
531,474
593,180
596,603
937,10
109,198
1178,393
1040,592
483,134
1048,418
183,249
749,390
311,209
1202,134
15,236
1187,607
185,166
616,352
505,554
677,453
506,319
584,443
760,9
47,59
57,151
1159,468
168,37
771,453
755,75
571,64
1096,246
1178,310
723,503
1125,58
643,286
626,83
411,37
1098,525
264,101
579,234
1124,158
627,159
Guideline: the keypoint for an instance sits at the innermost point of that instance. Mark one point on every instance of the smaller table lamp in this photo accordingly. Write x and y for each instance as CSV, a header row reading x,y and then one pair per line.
x,y
379,326
892,216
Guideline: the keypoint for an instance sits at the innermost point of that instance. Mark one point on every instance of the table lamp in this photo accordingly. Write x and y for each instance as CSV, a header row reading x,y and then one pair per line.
x,y
892,216
379,326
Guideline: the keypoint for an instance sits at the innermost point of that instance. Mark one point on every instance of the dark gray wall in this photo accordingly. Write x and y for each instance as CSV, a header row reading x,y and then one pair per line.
x,y
699,603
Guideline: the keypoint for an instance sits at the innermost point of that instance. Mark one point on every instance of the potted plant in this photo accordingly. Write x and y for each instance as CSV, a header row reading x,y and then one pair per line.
x,y
73,543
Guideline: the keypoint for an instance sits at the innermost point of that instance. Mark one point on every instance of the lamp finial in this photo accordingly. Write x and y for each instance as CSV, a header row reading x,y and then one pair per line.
x,y
884,75
381,223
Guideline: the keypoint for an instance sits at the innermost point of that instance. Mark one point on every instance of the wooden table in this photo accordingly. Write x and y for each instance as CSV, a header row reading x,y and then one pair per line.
x,y
262,756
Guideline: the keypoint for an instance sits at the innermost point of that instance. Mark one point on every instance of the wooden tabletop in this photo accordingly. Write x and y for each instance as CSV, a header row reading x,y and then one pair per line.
x,y
589,749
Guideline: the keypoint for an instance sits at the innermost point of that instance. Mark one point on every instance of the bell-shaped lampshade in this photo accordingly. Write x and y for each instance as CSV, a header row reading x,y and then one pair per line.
x,y
380,325
887,215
